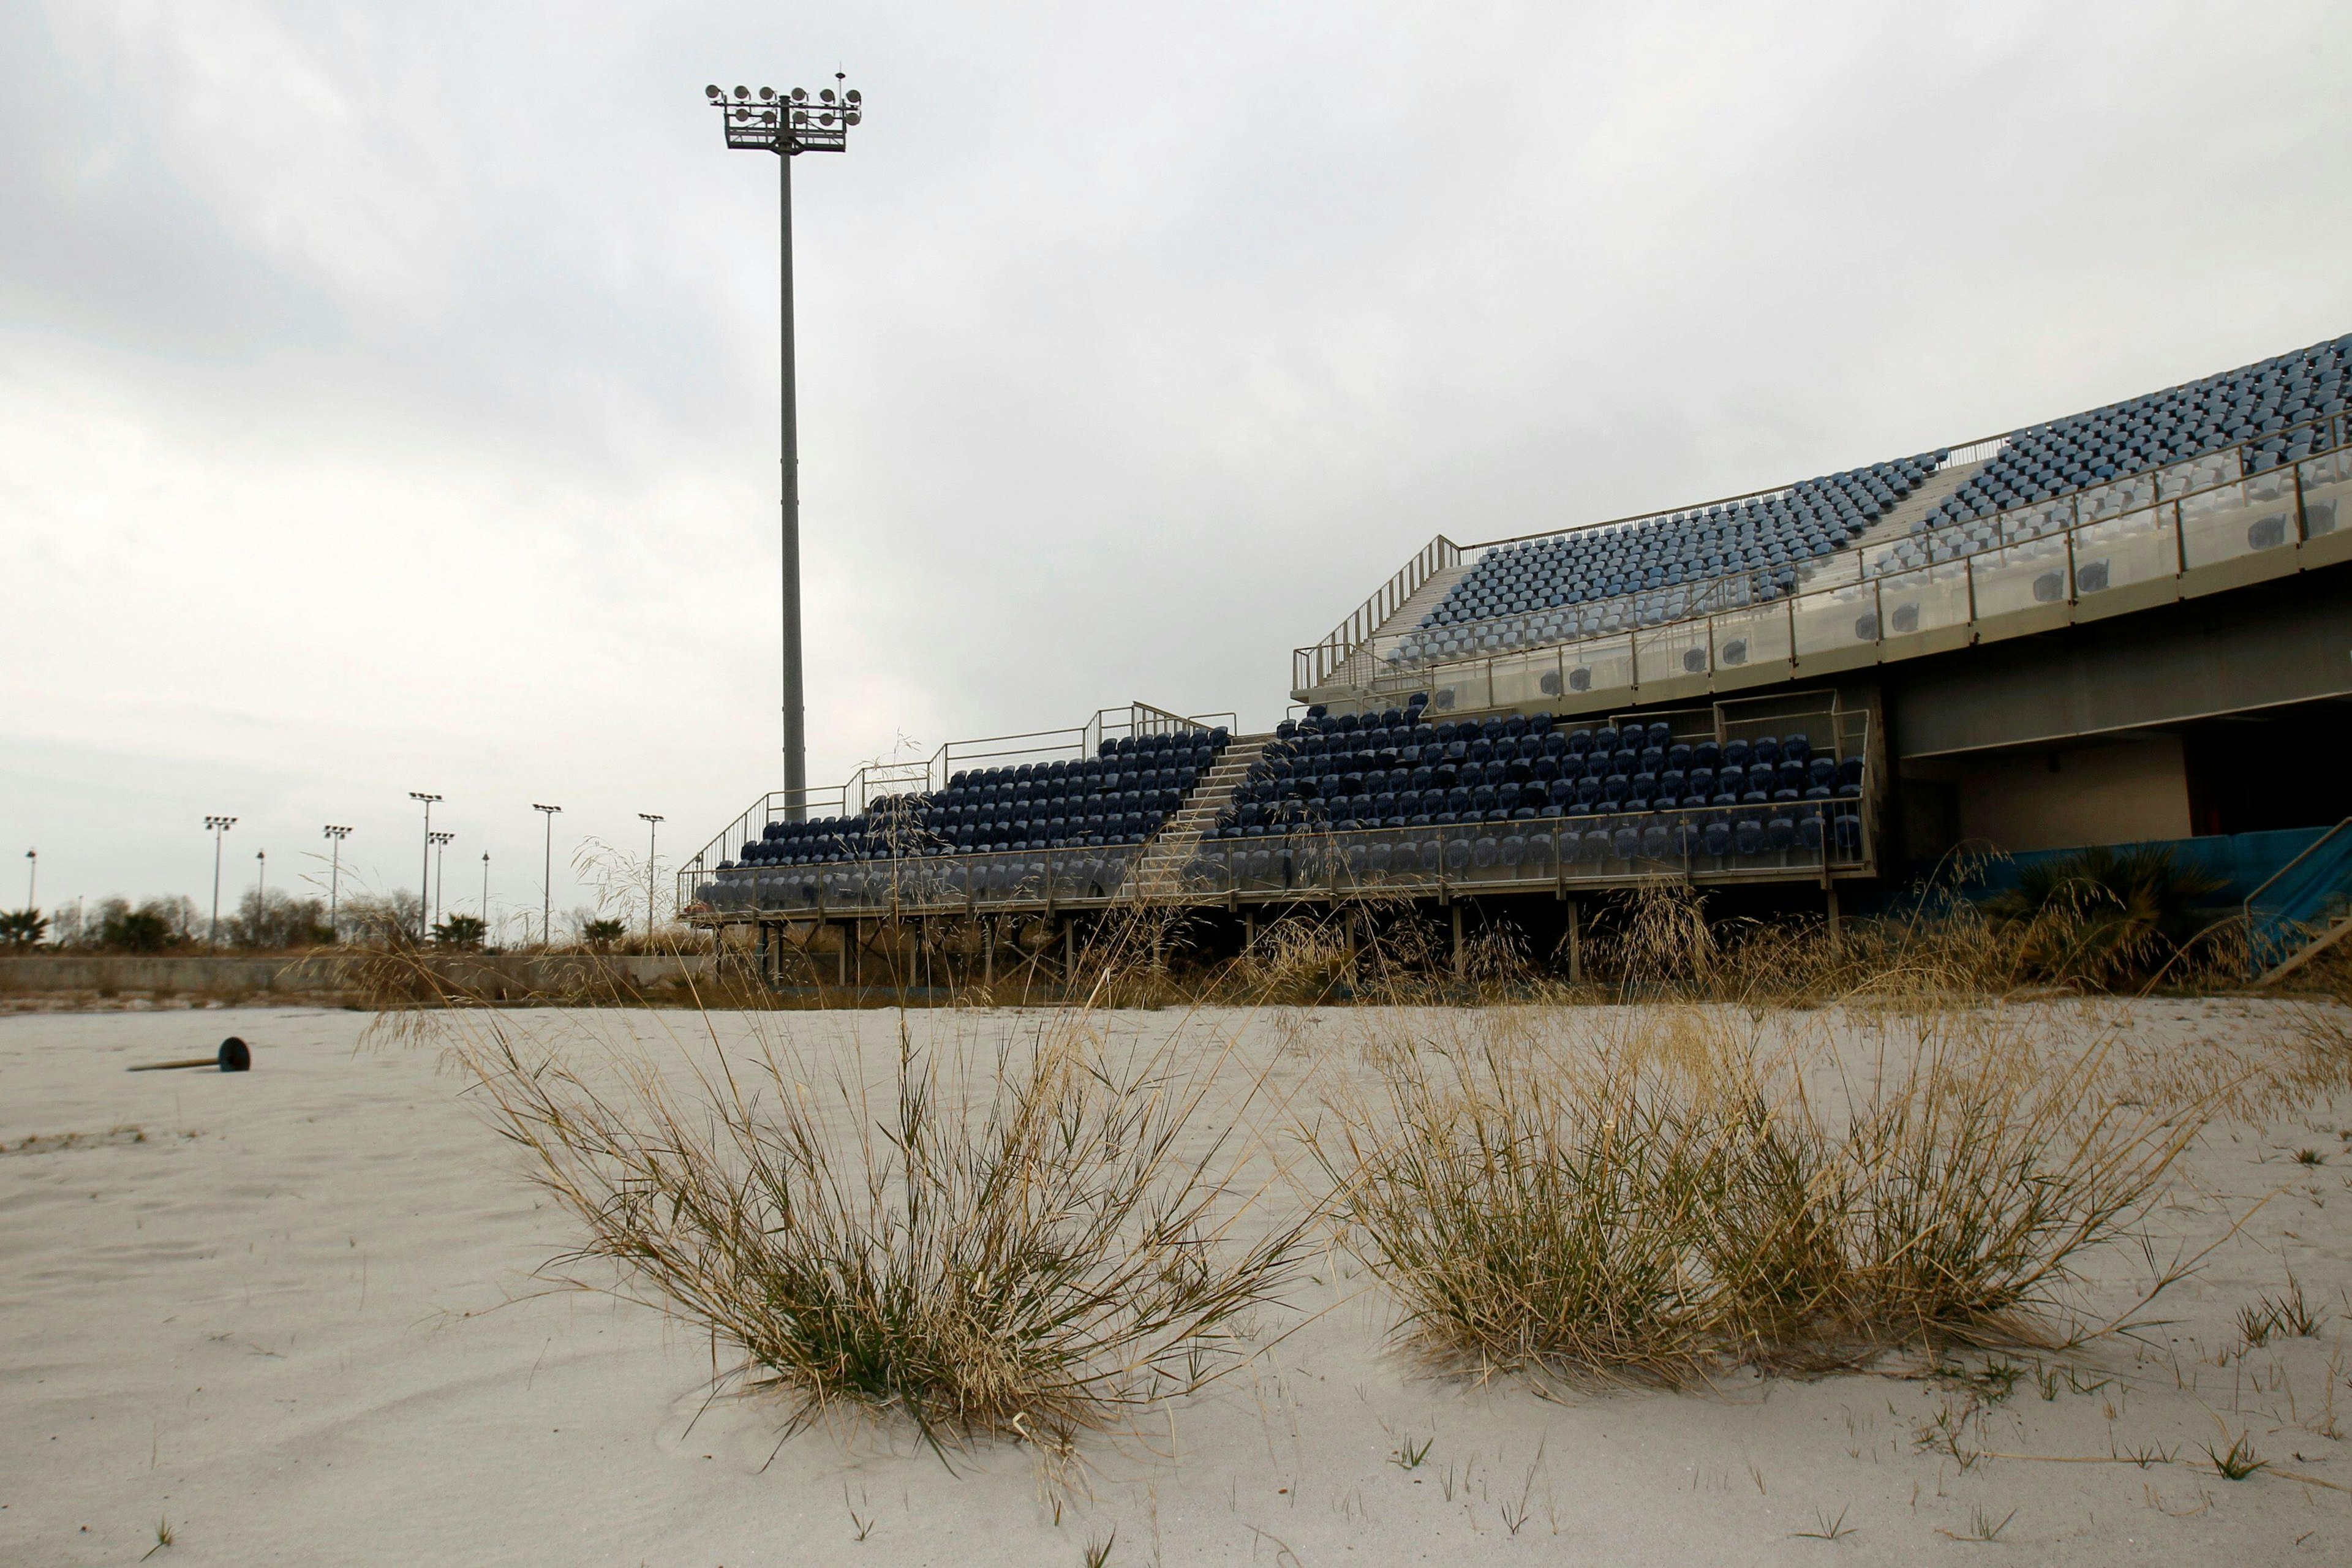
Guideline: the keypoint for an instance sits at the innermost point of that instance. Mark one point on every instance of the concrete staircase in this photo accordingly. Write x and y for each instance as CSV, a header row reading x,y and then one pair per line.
x,y
1900,520
1160,872
1358,669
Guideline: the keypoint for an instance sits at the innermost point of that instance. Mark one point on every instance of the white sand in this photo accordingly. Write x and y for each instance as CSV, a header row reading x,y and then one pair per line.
x,y
296,1321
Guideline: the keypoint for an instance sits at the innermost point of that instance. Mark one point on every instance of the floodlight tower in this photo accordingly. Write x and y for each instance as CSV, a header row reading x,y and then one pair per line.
x,y
335,837
788,124
547,887
425,877
216,825
653,822
440,877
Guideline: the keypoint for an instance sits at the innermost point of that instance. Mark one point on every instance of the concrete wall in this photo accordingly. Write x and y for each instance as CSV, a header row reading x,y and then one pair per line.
x,y
2256,647
2121,792
502,974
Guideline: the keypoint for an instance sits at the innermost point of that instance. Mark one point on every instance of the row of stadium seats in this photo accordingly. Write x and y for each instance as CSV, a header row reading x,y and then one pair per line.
x,y
1120,796
1746,838
2188,437
1599,581
1394,769
1596,582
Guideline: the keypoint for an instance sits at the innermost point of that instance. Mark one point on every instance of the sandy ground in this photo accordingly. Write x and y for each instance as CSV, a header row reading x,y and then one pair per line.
x,y
291,1312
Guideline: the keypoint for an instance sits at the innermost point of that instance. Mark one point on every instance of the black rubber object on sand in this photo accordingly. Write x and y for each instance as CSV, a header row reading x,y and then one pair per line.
x,y
232,1056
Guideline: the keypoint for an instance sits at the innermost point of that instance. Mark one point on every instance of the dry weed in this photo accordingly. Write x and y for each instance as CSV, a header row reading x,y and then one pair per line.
x,y
1027,1246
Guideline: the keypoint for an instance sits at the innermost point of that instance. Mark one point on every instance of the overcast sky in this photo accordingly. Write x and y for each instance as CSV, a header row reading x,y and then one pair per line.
x,y
388,393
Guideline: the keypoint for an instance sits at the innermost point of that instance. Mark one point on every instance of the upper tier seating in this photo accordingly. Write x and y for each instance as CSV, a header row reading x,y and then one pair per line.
x,y
1119,797
1599,581
2200,429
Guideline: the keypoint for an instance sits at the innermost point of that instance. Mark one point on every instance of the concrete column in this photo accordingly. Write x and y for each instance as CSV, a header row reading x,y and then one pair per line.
x,y
1456,910
1575,943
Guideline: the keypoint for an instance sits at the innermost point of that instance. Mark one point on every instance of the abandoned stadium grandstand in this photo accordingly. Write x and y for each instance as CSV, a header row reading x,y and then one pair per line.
x,y
2120,625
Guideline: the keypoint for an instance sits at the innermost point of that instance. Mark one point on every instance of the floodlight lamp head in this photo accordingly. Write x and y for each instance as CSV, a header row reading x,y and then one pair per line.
x,y
800,95
767,95
854,96
712,92
741,92
827,94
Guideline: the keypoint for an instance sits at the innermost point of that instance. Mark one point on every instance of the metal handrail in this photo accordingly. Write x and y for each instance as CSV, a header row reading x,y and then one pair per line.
x,y
2247,905
1429,674
1359,628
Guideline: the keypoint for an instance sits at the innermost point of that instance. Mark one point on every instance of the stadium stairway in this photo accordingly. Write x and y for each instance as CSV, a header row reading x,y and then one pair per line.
x,y
1359,667
1909,512
1160,872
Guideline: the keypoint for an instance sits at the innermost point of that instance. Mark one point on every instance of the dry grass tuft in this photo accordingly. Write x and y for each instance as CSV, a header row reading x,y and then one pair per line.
x,y
1665,1193
1027,1246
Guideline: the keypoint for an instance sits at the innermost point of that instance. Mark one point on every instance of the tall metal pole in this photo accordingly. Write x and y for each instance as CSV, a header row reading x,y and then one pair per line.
x,y
32,879
486,897
653,822
546,889
425,877
795,734
786,125
219,825
335,837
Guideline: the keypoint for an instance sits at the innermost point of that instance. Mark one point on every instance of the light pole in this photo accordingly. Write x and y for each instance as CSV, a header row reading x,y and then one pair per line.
x,y
440,842
32,879
486,897
335,837
788,125
218,825
653,828
424,875
547,889
260,893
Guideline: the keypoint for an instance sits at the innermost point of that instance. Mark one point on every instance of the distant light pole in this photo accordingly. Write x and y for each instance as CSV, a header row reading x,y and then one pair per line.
x,y
788,125
217,825
440,842
32,879
486,897
424,875
653,828
547,889
335,837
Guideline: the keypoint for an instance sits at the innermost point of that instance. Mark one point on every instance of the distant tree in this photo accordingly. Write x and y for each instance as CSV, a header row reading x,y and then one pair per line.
x,y
603,933
21,928
459,931
149,928
277,922
379,919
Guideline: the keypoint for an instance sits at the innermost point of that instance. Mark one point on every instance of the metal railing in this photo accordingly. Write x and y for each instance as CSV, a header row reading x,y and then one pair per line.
x,y
1312,666
2307,904
878,780
2160,524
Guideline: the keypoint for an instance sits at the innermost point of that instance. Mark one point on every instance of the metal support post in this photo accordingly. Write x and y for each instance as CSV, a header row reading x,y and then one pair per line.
x,y
1575,942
